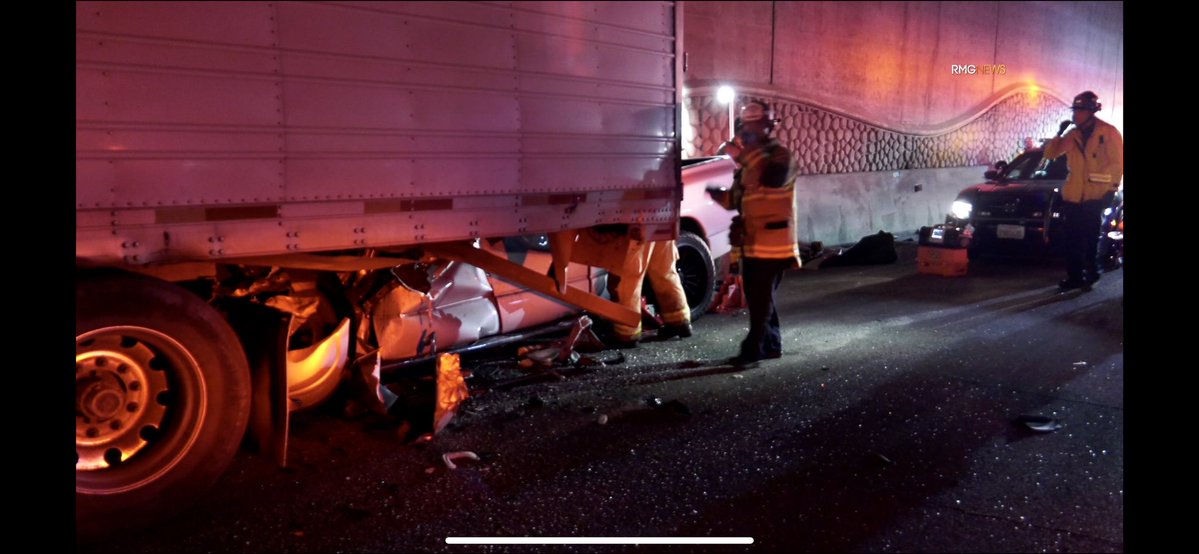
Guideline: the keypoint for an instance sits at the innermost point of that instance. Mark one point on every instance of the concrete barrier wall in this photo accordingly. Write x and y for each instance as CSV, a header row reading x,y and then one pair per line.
x,y
840,209
889,63
867,89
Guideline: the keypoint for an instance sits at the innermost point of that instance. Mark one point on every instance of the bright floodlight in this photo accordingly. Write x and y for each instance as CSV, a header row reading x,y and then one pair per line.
x,y
725,94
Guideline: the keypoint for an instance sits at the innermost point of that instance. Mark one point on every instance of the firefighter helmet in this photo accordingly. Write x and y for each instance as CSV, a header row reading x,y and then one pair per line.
x,y
1088,101
757,110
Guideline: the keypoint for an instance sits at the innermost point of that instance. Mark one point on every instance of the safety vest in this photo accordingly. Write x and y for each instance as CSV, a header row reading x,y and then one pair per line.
x,y
769,212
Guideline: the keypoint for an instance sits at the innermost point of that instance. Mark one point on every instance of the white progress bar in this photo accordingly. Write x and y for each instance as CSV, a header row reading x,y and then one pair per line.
x,y
599,540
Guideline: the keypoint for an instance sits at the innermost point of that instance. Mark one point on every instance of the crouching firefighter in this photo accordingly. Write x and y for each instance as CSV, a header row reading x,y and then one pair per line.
x,y
630,258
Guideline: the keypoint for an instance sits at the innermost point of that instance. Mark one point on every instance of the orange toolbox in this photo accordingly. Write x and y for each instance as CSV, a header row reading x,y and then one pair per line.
x,y
950,262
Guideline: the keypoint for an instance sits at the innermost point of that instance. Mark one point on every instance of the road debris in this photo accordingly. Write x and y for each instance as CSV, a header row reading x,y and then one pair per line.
x,y
449,457
427,437
451,390
1040,424
378,398
589,361
560,351
525,350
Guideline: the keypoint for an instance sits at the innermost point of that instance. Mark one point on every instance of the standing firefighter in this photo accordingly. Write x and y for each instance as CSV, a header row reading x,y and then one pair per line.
x,y
764,195
1095,155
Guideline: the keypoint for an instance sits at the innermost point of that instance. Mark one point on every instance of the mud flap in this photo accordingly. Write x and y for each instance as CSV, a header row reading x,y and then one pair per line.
x,y
263,333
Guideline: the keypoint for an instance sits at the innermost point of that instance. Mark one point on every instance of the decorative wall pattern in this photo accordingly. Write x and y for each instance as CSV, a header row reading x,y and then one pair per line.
x,y
827,142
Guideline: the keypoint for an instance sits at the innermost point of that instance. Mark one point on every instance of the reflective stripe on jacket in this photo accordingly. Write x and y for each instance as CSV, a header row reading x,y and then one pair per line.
x,y
767,183
1095,168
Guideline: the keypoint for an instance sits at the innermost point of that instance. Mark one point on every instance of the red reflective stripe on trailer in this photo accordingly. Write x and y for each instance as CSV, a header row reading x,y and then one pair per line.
x,y
229,213
396,205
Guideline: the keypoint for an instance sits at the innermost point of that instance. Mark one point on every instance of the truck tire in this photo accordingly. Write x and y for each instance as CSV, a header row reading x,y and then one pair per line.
x,y
697,270
162,397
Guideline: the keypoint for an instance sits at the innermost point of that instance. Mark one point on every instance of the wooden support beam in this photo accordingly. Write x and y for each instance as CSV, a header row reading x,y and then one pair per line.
x,y
524,276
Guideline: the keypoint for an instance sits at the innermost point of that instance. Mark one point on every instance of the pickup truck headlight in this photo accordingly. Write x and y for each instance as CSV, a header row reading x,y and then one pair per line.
x,y
961,209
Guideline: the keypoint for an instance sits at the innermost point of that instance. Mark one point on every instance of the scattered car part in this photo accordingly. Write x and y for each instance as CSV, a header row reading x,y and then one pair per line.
x,y
561,351
377,397
1040,424
451,390
449,458
313,373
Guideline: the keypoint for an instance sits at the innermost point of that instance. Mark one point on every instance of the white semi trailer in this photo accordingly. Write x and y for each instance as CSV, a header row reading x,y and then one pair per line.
x,y
244,169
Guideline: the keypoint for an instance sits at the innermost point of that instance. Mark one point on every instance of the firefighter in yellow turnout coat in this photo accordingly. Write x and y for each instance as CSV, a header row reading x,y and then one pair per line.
x,y
1095,155
764,194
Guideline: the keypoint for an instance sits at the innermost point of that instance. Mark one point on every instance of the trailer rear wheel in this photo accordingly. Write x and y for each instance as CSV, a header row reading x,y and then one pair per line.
x,y
162,396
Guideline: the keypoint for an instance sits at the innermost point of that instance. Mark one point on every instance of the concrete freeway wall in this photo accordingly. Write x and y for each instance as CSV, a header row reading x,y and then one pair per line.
x,y
867,88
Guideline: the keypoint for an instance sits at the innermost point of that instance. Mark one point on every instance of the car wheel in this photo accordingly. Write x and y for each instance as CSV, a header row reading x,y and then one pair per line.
x,y
162,397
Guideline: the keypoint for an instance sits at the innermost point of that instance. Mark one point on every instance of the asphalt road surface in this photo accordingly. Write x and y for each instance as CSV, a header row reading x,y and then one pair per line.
x,y
891,423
